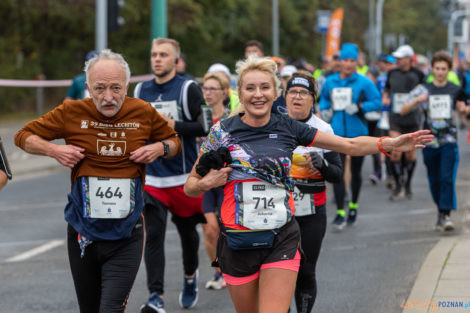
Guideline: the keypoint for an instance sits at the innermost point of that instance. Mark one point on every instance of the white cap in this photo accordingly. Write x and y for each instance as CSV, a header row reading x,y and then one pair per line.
x,y
288,70
219,67
403,51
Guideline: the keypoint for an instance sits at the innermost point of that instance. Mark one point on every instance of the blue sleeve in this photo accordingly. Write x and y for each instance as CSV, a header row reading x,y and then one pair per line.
x,y
325,102
373,101
74,90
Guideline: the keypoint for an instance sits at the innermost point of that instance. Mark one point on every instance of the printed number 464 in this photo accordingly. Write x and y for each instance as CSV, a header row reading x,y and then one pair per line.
x,y
108,193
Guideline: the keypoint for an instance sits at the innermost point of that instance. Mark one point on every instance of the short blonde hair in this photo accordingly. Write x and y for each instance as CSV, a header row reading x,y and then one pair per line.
x,y
221,78
175,44
255,63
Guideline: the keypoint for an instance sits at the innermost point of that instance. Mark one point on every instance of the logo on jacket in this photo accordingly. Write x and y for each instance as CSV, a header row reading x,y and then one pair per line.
x,y
84,124
110,148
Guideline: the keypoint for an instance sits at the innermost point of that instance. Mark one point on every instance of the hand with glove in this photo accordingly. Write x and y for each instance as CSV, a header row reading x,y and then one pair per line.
x,y
317,161
213,160
352,109
326,115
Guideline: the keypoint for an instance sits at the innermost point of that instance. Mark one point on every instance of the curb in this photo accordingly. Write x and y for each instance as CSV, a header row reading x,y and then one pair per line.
x,y
430,273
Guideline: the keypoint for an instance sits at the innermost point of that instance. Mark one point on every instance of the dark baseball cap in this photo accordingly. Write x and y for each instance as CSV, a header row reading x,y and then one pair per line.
x,y
91,54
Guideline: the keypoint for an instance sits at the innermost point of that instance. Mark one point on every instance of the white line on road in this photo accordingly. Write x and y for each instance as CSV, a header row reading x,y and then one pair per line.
x,y
38,250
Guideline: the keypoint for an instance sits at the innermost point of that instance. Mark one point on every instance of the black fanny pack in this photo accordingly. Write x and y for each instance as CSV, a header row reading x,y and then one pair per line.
x,y
310,185
249,239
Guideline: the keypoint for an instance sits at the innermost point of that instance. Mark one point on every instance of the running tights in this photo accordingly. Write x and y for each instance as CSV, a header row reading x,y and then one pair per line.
x,y
356,181
312,231
104,277
156,214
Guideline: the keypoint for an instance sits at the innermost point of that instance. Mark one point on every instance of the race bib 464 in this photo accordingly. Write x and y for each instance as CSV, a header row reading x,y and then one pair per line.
x,y
108,197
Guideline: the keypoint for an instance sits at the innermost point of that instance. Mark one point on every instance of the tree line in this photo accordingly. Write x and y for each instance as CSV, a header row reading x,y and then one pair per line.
x,y
52,37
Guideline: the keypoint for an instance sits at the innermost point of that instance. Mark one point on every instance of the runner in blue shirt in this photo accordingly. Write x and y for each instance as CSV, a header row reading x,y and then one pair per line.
x,y
347,98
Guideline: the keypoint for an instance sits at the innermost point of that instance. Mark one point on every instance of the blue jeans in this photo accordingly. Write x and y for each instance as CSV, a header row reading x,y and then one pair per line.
x,y
442,165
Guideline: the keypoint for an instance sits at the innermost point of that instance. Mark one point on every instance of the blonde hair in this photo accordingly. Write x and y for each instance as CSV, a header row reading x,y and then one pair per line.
x,y
221,78
175,44
255,63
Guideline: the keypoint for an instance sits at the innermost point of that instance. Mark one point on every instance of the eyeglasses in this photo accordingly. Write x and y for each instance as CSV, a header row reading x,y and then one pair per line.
x,y
302,93
210,89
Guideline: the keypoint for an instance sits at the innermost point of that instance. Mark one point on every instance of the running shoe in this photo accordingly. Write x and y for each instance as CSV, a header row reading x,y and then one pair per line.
x,y
189,295
448,224
154,305
440,222
352,215
397,194
339,222
217,282
374,179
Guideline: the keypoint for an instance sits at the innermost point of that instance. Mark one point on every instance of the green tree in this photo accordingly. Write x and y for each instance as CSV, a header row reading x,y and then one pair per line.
x,y
53,36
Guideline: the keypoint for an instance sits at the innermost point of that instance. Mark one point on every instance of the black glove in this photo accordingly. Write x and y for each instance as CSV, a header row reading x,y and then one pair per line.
x,y
213,159
225,155
317,160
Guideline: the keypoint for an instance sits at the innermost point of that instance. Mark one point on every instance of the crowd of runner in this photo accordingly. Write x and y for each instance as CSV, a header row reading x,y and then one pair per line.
x,y
248,156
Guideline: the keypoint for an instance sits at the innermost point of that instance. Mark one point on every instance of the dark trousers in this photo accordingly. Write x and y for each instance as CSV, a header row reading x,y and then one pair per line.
x,y
155,214
442,166
312,231
104,277
339,189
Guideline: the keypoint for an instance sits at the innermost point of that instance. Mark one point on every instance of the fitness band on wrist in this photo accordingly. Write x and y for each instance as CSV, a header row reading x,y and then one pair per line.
x,y
166,148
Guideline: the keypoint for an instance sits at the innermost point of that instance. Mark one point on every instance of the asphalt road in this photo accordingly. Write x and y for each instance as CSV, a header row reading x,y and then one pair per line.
x,y
370,267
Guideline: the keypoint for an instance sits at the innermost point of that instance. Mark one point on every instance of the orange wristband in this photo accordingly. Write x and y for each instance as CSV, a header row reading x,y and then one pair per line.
x,y
379,145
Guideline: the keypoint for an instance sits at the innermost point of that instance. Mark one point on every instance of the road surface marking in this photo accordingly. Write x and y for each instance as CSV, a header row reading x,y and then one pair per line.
x,y
38,250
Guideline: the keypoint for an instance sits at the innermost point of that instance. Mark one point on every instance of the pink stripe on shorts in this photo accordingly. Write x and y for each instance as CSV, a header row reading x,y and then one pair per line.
x,y
292,265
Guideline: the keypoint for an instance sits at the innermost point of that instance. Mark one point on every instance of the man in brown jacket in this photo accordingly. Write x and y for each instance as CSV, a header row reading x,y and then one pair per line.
x,y
106,149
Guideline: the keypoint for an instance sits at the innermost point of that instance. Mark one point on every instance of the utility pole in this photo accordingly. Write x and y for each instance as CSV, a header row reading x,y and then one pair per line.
x,y
101,25
378,27
371,31
158,24
275,26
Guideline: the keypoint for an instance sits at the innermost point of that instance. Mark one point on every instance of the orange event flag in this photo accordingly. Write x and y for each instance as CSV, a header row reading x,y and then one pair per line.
x,y
333,37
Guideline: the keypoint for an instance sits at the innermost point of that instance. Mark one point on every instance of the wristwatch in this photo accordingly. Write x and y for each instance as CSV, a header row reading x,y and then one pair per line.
x,y
166,148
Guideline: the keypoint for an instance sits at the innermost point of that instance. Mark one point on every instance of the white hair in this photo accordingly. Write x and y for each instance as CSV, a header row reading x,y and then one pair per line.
x,y
107,54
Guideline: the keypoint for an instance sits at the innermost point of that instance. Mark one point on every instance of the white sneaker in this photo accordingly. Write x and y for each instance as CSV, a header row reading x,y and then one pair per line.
x,y
217,282
448,224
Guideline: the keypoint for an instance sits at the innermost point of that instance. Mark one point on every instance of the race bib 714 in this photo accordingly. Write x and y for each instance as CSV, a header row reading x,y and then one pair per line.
x,y
261,205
